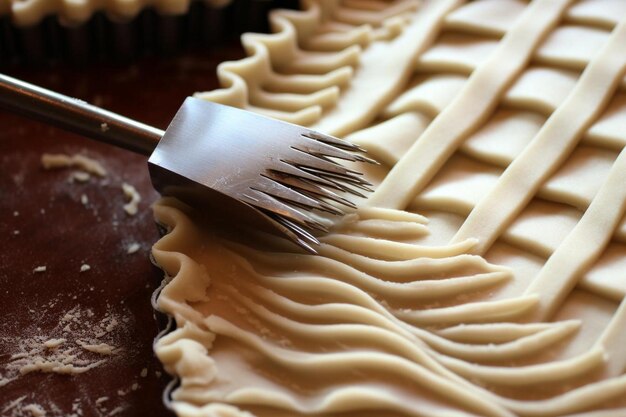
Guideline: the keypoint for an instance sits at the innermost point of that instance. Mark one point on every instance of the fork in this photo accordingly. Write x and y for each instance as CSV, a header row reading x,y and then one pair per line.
x,y
241,167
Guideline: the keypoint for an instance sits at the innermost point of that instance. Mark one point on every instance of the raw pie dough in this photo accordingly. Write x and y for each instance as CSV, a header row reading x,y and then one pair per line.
x,y
485,276
74,12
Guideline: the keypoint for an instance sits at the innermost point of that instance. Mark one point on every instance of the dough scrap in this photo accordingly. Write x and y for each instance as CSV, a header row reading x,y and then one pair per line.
x,y
134,197
88,165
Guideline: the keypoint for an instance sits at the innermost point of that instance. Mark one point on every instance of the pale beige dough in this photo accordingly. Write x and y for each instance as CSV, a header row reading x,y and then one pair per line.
x,y
483,277
134,198
73,12
86,164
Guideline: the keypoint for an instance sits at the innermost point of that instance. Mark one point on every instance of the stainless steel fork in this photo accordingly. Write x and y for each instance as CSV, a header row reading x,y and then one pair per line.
x,y
244,168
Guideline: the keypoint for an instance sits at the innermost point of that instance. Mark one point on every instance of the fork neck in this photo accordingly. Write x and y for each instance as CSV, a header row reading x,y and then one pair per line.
x,y
77,116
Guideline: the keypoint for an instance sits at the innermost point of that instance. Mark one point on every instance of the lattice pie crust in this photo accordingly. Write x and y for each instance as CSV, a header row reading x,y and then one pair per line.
x,y
486,274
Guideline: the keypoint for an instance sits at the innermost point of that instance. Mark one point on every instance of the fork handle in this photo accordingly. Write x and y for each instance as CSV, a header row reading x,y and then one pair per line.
x,y
77,116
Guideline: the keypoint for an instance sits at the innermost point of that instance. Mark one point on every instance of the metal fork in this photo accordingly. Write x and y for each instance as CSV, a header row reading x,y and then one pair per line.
x,y
242,168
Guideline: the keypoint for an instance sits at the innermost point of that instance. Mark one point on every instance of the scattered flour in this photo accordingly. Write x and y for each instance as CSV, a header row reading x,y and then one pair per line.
x,y
101,400
13,404
31,406
4,381
78,343
35,410
53,343
131,193
100,348
79,176
81,341
115,411
112,324
133,248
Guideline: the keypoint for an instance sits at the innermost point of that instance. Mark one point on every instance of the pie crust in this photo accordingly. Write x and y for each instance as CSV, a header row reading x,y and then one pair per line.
x,y
485,274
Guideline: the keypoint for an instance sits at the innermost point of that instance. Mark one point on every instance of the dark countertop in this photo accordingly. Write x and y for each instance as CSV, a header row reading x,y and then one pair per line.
x,y
44,223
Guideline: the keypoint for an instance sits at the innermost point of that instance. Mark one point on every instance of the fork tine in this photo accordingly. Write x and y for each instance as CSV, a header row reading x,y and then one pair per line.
x,y
301,156
318,177
331,140
312,159
294,232
296,229
302,181
323,160
286,168
269,203
351,179
358,158
318,148
343,187
290,195
309,187
319,166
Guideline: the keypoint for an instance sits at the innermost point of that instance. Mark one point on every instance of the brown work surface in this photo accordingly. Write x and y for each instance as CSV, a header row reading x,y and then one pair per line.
x,y
43,222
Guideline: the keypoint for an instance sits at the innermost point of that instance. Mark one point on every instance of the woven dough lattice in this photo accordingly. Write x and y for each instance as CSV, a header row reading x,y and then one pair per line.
x,y
484,276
